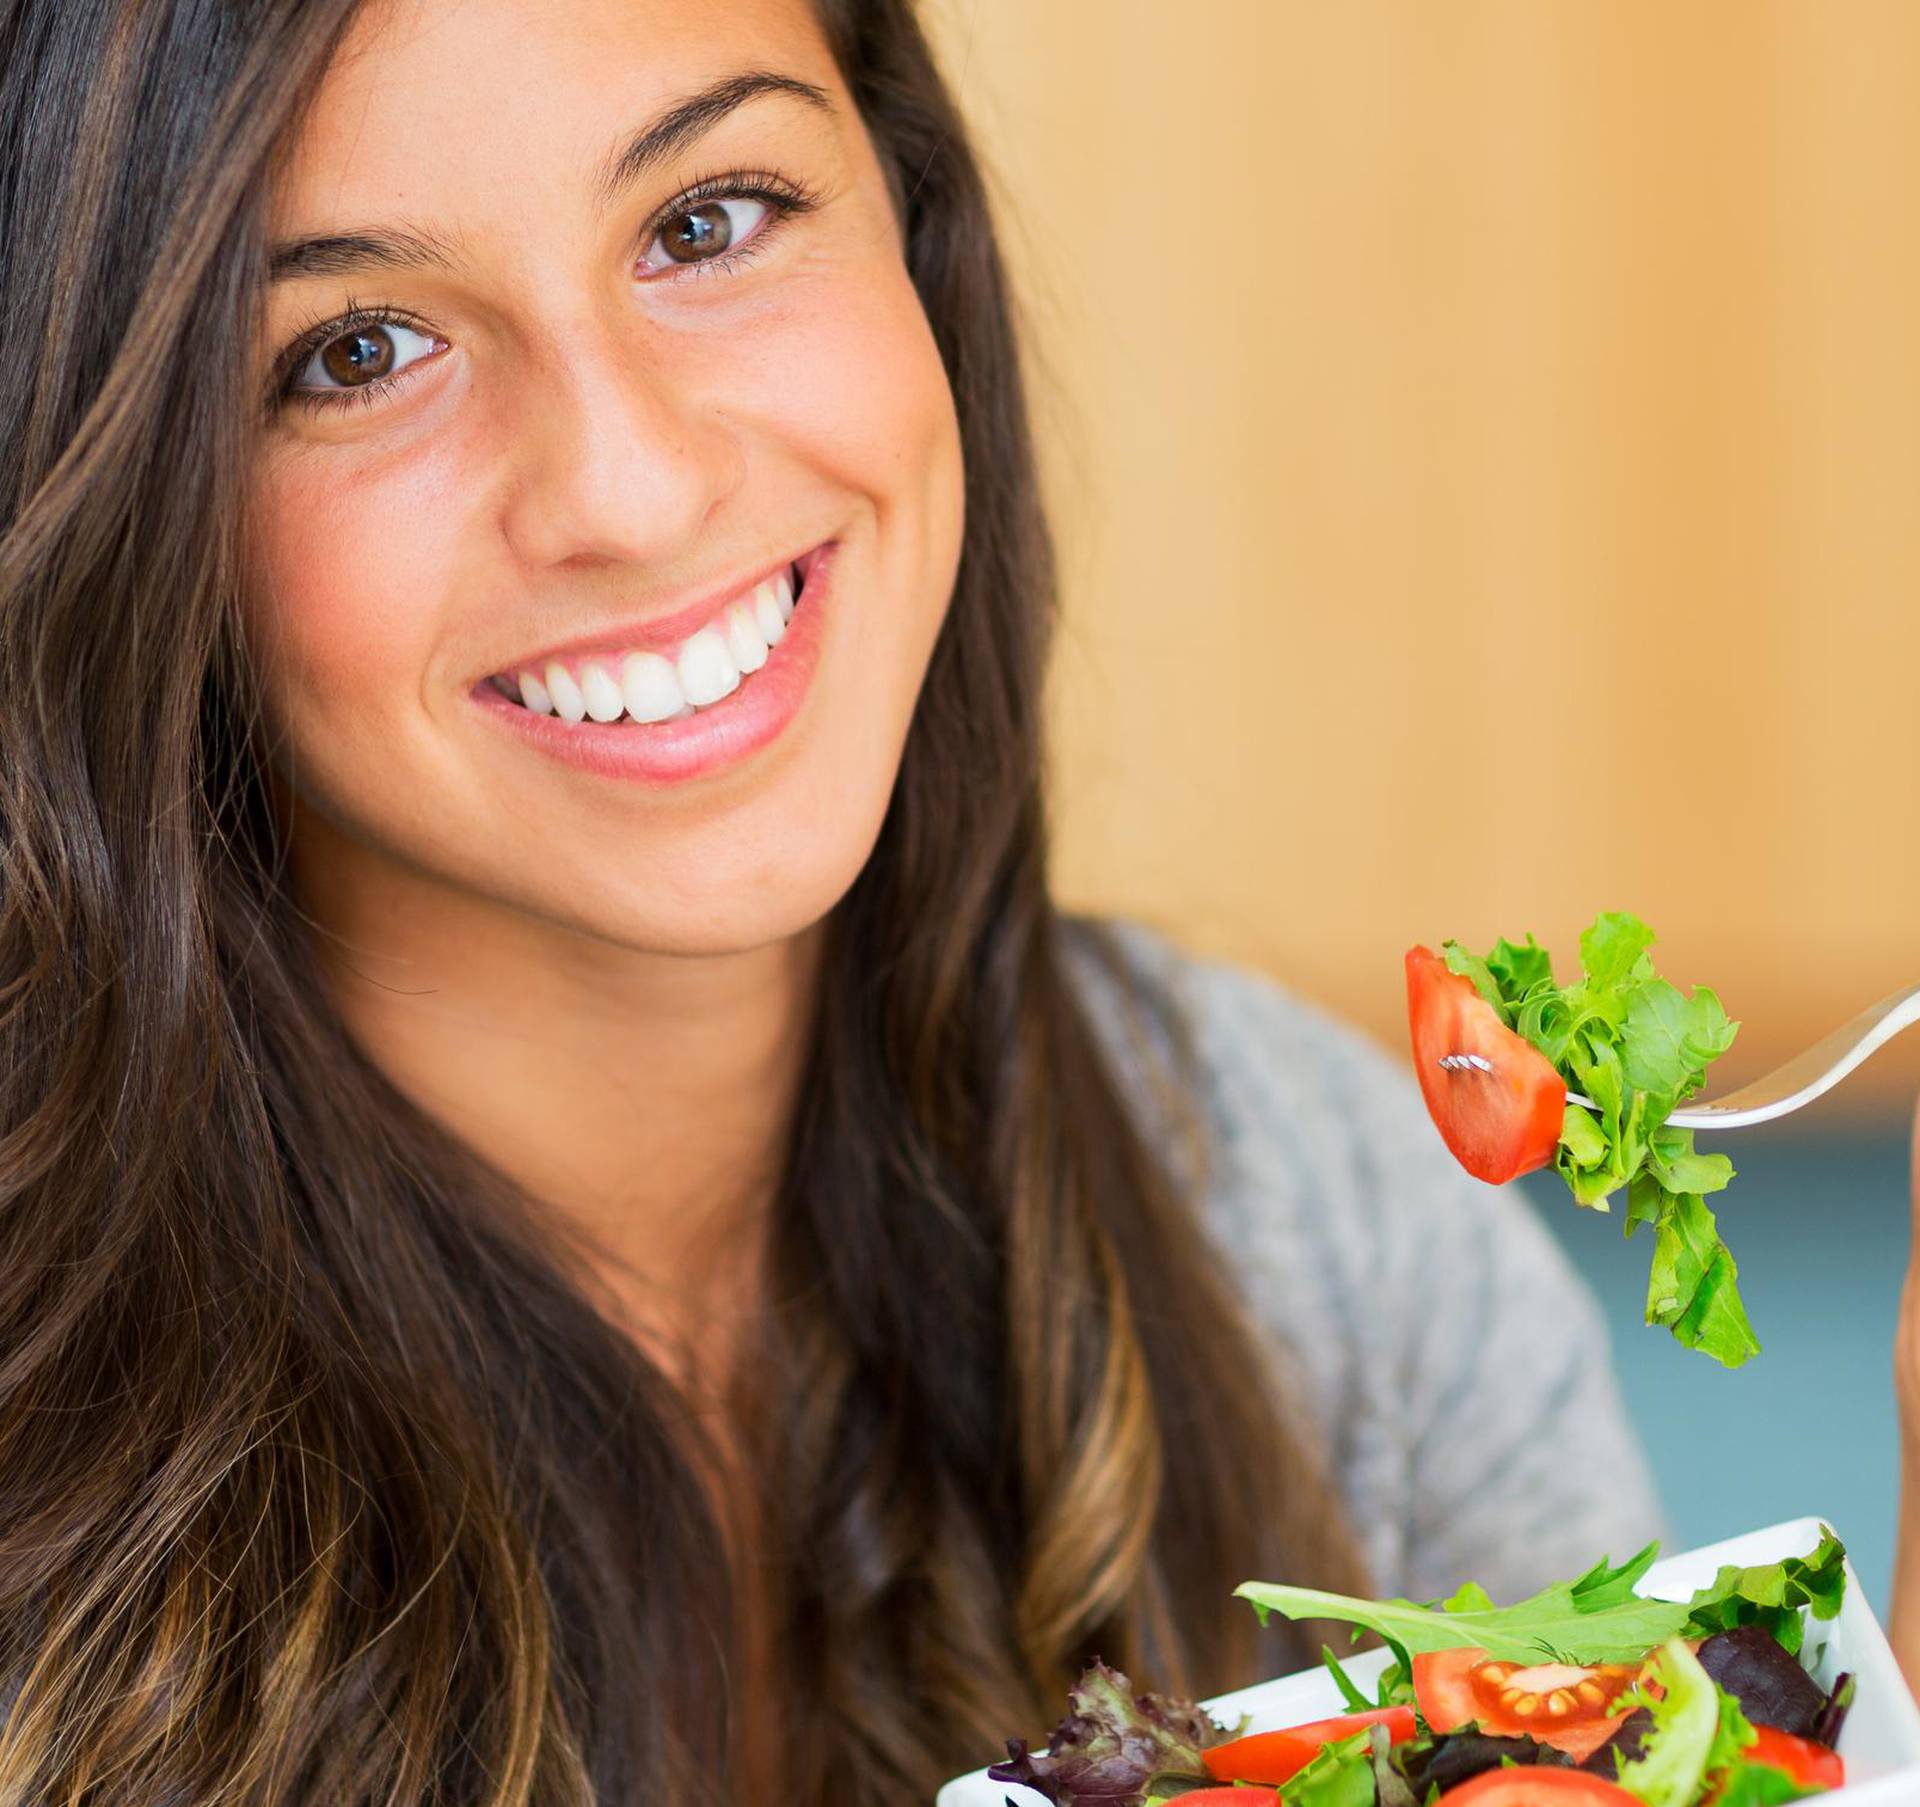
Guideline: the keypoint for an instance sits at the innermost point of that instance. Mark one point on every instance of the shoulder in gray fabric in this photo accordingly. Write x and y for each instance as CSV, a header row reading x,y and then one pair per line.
x,y
1457,1366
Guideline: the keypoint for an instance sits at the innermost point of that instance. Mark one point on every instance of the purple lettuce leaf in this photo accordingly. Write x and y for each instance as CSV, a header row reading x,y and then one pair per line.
x,y
1111,1744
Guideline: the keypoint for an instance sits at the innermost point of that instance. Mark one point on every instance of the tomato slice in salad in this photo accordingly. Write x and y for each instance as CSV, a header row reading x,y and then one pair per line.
x,y
1231,1797
1527,1785
1810,1765
1561,1704
1279,1756
1501,1113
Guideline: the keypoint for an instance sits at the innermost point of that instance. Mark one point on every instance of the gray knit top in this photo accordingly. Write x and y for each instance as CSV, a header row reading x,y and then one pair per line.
x,y
1456,1366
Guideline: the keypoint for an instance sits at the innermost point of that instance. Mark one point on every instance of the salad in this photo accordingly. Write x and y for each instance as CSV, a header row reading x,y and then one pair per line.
x,y
1498,1042
1585,1695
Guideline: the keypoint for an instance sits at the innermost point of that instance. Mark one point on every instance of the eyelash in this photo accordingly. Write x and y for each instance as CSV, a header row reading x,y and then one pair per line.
x,y
784,198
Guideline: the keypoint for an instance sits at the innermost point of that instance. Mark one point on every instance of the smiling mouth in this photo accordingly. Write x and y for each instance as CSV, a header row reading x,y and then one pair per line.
x,y
643,687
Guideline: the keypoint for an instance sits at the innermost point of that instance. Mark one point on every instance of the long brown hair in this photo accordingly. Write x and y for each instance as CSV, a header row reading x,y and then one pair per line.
x,y
322,1478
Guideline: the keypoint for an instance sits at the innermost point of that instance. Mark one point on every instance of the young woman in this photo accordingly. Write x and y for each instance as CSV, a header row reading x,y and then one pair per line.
x,y
577,1228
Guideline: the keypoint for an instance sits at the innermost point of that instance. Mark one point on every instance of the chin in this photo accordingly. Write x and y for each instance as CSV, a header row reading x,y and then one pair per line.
x,y
703,904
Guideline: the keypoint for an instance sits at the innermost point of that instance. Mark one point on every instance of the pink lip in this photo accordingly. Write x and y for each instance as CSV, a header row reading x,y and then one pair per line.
x,y
710,740
659,633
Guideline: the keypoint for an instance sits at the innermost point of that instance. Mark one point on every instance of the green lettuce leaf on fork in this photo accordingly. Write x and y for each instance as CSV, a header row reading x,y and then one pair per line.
x,y
1638,1047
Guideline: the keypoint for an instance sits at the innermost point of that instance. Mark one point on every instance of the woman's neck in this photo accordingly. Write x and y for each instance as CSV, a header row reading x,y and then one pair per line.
x,y
643,1098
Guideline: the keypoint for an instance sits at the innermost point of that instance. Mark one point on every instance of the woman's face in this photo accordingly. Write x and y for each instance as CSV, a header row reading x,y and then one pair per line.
x,y
631,344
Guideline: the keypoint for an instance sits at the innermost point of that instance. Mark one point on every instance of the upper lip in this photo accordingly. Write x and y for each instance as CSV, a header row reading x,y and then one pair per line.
x,y
659,630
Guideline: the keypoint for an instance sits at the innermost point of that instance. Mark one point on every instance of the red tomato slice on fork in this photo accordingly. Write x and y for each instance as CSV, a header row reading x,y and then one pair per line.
x,y
1501,1107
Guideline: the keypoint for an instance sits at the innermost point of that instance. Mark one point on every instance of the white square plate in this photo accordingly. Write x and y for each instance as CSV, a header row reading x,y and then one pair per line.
x,y
1880,1740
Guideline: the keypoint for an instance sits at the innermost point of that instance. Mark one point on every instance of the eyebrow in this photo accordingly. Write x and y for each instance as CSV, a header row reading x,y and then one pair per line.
x,y
413,248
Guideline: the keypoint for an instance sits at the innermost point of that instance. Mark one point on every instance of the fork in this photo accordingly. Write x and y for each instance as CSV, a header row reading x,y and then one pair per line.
x,y
1810,1074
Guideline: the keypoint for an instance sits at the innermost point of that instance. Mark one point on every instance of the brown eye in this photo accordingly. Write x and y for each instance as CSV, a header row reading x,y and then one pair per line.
x,y
363,357
358,357
701,233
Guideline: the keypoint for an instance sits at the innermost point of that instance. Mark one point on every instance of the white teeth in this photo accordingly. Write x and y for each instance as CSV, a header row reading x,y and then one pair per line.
x,y
745,643
600,693
766,615
568,703
706,669
651,689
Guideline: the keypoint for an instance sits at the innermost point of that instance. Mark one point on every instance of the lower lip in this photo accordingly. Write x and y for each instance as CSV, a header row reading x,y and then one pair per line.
x,y
710,740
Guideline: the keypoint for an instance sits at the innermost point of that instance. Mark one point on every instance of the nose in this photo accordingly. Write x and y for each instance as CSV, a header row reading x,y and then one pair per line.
x,y
617,456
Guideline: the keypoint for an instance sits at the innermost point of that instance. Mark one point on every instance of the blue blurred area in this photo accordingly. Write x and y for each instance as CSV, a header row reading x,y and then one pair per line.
x,y
1818,1226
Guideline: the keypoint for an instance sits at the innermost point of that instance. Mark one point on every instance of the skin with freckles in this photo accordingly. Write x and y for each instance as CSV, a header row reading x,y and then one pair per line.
x,y
602,986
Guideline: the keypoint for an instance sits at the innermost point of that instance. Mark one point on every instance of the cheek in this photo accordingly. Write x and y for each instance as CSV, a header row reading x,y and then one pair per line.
x,y
348,556
849,379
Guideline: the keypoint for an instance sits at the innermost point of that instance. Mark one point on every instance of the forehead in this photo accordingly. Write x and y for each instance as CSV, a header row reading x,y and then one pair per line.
x,y
431,105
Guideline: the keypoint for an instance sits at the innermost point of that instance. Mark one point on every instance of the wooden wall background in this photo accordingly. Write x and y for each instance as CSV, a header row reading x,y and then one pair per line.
x,y
1485,440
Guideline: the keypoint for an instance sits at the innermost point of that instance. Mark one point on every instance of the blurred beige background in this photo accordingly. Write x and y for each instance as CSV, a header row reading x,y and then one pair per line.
x,y
1483,436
